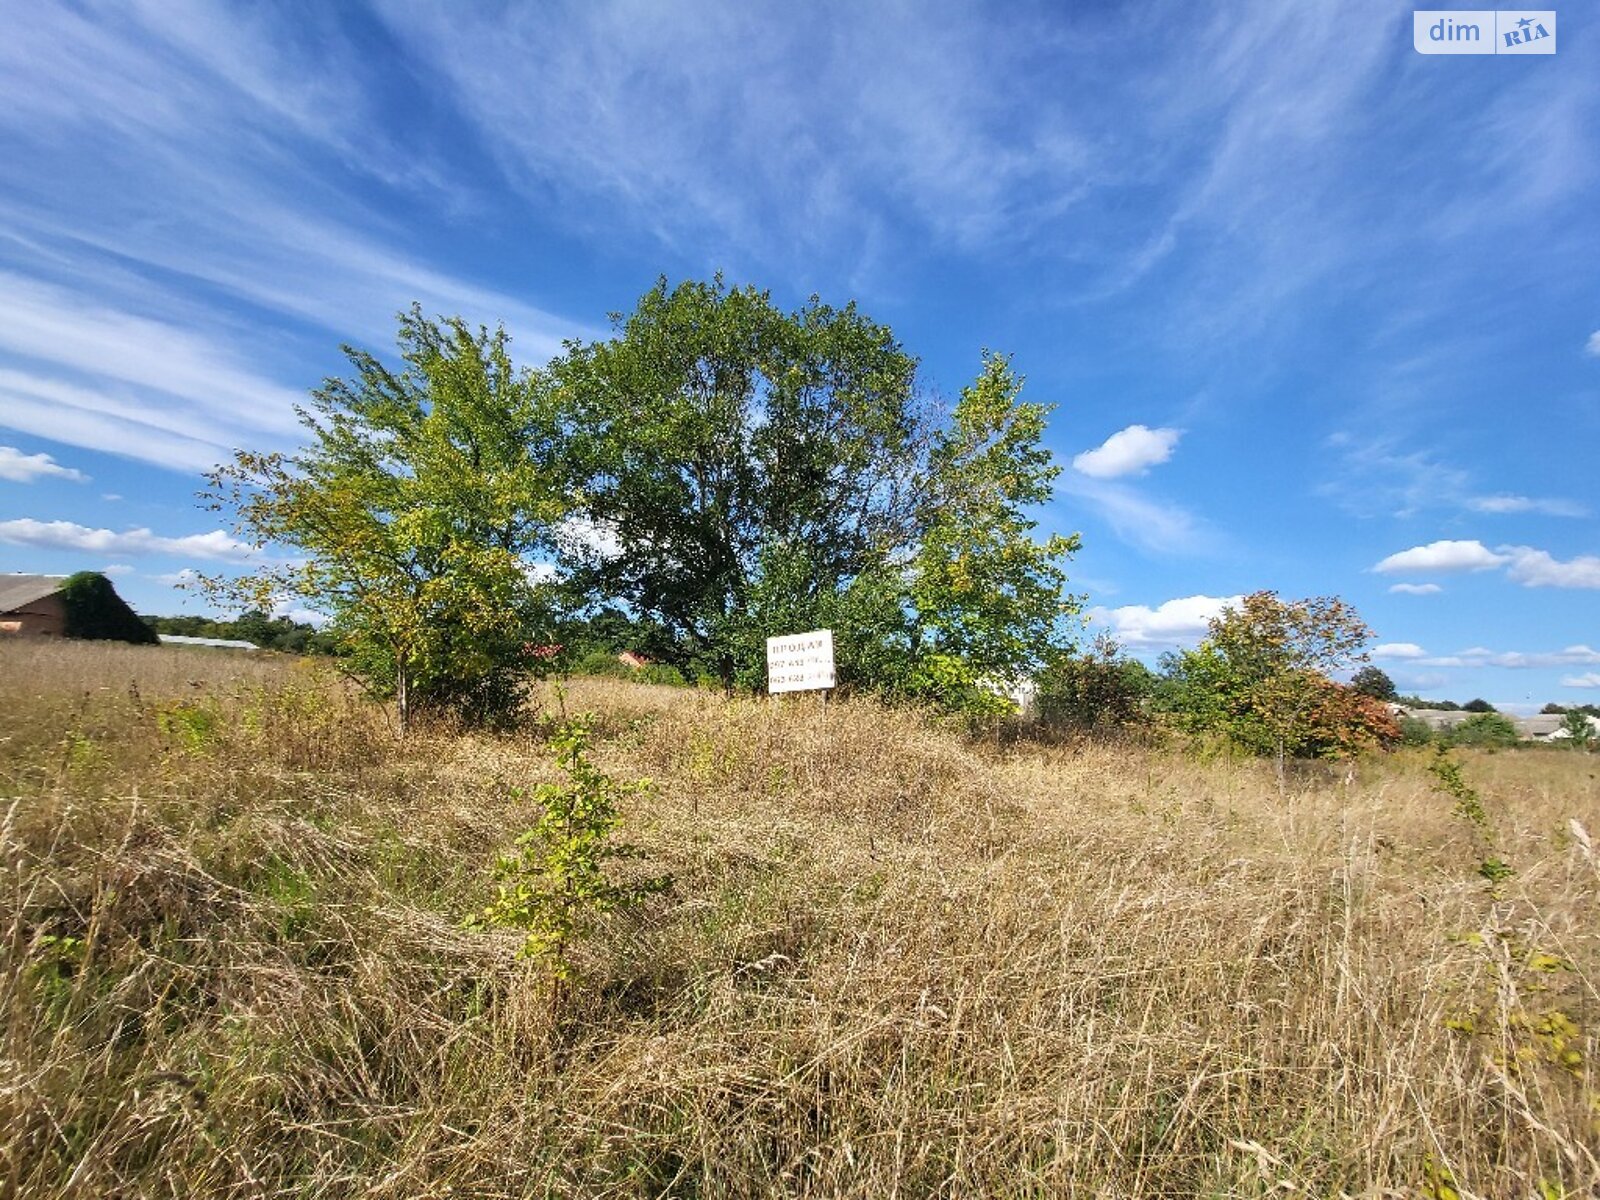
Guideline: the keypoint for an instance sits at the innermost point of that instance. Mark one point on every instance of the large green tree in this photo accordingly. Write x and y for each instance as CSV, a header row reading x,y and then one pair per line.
x,y
716,439
744,471
412,512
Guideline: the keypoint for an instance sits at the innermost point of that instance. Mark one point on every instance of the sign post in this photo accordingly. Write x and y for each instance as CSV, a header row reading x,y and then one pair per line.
x,y
800,662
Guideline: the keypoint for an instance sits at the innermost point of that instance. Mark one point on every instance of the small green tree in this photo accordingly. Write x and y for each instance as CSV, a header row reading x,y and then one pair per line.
x,y
555,883
989,603
1101,689
1375,682
1261,678
412,512
1415,732
1579,731
1487,730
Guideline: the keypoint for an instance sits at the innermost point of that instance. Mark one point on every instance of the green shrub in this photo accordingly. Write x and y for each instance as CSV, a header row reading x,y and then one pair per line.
x,y
1415,732
96,612
1487,730
1100,689
663,674
602,662
555,883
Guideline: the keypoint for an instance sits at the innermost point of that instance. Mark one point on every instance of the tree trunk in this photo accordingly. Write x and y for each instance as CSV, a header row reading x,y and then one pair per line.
x,y
402,694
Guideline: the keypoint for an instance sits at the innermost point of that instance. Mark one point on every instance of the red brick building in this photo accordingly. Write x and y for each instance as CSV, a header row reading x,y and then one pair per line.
x,y
31,604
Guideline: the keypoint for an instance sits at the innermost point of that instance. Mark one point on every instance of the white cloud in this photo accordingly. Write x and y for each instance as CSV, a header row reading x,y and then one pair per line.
x,y
1399,650
116,570
1524,564
1416,589
1592,347
65,535
1442,556
25,468
1536,568
1481,656
1589,679
284,606
1505,503
178,579
111,496
1173,623
586,538
1129,451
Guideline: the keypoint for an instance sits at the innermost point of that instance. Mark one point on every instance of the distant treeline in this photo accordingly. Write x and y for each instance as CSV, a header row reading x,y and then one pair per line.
x,y
267,632
1477,706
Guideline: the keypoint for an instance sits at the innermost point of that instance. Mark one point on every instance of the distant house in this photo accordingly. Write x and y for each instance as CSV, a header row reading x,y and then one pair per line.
x,y
1546,727
32,604
630,659
175,639
1551,727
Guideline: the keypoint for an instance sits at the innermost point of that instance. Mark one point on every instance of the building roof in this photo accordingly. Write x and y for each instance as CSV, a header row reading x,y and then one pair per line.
x,y
176,639
19,591
1542,725
1438,718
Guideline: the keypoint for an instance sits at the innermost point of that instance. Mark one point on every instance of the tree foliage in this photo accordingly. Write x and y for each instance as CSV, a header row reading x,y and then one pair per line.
x,y
1261,678
95,611
1375,682
556,883
267,632
414,508
1489,730
1100,689
743,471
1579,730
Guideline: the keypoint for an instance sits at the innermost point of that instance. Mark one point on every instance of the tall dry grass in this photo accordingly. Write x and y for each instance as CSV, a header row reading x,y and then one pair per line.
x,y
895,963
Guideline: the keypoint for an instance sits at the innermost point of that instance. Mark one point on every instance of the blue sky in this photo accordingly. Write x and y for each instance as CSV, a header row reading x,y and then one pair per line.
x,y
1320,314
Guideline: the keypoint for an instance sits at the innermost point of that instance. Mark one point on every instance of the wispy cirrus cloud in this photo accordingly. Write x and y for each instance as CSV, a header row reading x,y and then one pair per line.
x,y
1506,503
130,315
25,468
1376,477
68,535
1480,656
1153,525
1415,589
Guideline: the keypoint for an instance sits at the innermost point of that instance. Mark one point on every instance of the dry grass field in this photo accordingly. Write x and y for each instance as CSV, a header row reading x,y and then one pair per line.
x,y
895,963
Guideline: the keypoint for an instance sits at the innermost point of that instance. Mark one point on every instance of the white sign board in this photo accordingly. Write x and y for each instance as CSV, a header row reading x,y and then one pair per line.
x,y
800,662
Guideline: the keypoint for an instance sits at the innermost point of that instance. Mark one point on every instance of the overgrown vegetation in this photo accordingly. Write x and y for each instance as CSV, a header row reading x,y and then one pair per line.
x,y
554,885
412,512
893,962
719,468
94,611
1261,680
283,634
